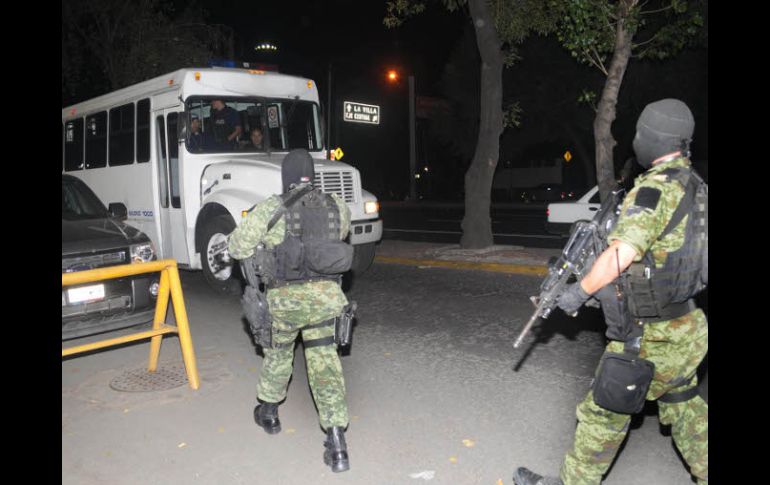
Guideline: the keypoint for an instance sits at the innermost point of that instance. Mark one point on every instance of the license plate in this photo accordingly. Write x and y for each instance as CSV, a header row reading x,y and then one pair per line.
x,y
85,293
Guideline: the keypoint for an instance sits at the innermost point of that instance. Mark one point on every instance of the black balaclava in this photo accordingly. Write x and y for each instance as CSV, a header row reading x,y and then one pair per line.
x,y
664,126
297,168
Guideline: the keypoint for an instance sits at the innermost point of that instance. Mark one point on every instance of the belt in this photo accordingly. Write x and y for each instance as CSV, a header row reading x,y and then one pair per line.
x,y
672,311
281,284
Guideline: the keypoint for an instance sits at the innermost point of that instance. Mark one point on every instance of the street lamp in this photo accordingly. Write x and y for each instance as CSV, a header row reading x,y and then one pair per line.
x,y
393,77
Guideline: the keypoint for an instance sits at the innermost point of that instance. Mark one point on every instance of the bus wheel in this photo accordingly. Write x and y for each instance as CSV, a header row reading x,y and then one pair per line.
x,y
220,275
363,255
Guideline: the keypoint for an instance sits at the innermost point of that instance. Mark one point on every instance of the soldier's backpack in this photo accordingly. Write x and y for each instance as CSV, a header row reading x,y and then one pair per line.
x,y
694,260
685,271
312,246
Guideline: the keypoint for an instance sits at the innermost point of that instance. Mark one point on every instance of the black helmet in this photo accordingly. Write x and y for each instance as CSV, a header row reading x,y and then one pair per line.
x,y
297,168
665,126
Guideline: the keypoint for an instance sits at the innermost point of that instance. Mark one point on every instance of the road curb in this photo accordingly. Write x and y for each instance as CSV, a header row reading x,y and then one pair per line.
x,y
531,270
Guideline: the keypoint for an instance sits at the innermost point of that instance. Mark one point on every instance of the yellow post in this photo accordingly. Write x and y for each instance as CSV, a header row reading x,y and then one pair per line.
x,y
180,313
160,317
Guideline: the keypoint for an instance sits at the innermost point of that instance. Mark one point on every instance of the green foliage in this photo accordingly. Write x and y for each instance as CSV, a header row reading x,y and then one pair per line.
x,y
514,19
512,115
588,97
131,41
662,28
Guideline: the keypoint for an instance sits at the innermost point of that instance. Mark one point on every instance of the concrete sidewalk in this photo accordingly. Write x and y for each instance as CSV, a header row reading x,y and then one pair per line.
x,y
498,258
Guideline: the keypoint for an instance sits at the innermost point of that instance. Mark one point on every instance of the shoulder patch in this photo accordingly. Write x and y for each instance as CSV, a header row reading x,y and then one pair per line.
x,y
647,197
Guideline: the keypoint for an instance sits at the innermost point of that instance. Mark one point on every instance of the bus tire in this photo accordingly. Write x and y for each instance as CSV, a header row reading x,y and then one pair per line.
x,y
222,278
363,255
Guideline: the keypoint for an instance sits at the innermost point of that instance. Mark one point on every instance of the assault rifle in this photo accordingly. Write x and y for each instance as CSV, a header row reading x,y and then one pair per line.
x,y
586,242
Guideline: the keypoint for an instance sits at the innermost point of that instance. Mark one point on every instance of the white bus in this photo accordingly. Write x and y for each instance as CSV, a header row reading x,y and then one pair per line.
x,y
132,146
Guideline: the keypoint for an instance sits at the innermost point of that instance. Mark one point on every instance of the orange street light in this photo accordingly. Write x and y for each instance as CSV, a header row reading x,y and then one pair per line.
x,y
392,75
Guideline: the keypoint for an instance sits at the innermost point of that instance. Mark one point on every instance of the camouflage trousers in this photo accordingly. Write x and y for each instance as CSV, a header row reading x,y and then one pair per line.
x,y
324,371
676,347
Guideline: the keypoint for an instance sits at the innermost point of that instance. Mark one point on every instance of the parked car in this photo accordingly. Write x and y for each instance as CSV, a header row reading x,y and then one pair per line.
x,y
94,237
546,193
562,215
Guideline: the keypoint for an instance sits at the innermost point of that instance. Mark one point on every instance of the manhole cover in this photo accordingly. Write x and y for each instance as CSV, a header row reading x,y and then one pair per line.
x,y
140,380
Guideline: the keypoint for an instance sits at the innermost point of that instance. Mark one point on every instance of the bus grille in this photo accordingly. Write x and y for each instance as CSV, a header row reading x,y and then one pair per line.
x,y
82,263
340,183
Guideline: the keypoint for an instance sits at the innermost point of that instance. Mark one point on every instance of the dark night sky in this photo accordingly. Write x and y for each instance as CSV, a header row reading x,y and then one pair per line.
x,y
350,35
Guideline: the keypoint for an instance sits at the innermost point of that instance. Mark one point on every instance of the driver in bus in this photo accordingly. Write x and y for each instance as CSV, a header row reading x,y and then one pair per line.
x,y
227,124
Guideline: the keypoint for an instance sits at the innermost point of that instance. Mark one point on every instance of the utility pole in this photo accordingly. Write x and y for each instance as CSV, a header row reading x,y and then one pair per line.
x,y
329,115
412,144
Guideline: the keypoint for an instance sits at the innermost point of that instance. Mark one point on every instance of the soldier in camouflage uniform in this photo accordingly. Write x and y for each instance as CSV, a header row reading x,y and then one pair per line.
x,y
676,345
305,307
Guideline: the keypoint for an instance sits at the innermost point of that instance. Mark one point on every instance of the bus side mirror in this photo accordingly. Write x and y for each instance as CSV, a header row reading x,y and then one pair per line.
x,y
182,126
118,211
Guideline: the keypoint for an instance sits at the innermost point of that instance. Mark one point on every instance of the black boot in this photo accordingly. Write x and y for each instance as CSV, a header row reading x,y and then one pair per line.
x,y
336,454
523,476
266,415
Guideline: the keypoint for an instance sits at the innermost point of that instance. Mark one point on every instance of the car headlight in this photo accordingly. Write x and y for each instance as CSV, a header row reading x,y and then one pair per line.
x,y
142,253
371,207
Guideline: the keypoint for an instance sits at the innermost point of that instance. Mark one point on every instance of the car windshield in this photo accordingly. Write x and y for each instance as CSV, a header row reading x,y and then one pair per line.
x,y
252,125
78,202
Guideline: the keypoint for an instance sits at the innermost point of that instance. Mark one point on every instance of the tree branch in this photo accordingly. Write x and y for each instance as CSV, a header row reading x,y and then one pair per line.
x,y
649,12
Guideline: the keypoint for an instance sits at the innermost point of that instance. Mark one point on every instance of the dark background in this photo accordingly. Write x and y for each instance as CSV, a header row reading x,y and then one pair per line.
x,y
348,39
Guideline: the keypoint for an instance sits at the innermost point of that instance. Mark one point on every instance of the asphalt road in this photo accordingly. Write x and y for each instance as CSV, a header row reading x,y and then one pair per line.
x,y
435,390
512,224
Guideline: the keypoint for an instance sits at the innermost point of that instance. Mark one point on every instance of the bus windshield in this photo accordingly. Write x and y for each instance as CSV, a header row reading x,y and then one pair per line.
x,y
219,125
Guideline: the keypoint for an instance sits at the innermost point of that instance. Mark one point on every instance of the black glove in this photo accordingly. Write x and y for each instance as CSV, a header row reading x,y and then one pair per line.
x,y
572,299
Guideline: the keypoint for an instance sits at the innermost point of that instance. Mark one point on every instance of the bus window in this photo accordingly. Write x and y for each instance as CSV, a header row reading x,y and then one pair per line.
x,y
286,124
73,145
96,140
162,163
173,159
122,135
143,131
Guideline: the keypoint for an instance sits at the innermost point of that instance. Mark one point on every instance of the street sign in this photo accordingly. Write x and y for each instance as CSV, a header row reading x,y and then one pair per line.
x,y
336,154
361,113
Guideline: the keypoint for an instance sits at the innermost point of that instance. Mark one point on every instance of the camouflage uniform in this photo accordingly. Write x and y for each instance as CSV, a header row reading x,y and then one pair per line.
x,y
676,347
293,308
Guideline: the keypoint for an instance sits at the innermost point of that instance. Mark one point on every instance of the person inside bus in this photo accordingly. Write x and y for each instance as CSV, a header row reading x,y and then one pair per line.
x,y
197,139
255,141
227,125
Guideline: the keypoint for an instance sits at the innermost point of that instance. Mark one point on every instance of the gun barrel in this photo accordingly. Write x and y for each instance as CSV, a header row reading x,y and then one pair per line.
x,y
525,331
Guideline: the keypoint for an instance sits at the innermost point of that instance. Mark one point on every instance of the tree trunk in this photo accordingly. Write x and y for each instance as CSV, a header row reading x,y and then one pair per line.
x,y
477,224
606,110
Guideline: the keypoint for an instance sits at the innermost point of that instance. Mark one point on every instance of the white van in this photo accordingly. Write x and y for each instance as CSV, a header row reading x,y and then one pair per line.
x,y
132,146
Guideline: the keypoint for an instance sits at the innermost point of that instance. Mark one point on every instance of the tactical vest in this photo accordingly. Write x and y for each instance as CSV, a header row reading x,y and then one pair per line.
x,y
664,293
311,248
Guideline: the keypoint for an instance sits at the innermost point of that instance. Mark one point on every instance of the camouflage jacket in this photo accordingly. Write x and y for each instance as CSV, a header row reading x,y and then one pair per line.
x,y
646,211
299,304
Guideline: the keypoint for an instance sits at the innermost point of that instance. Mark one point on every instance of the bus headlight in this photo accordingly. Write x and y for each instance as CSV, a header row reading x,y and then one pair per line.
x,y
371,207
142,253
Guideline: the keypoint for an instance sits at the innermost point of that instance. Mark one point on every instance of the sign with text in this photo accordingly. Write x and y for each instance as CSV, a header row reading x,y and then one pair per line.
x,y
361,113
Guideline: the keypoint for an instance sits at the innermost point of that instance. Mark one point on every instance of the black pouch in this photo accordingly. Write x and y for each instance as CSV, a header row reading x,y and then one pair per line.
x,y
257,313
328,257
622,382
343,324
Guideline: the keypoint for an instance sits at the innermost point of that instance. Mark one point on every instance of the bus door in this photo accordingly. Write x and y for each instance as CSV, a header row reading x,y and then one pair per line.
x,y
171,220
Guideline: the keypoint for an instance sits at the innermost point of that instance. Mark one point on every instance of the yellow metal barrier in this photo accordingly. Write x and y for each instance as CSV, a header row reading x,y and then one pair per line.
x,y
170,286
